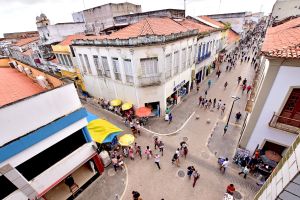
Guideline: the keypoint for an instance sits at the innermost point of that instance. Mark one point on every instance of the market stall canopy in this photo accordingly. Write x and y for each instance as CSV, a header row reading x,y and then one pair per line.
x,y
126,106
126,140
116,102
143,112
101,130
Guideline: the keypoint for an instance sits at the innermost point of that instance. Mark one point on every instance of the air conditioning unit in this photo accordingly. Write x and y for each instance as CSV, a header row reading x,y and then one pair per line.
x,y
27,71
20,68
42,81
13,64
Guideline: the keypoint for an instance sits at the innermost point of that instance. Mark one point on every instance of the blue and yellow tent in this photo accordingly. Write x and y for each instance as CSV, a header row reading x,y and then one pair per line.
x,y
101,130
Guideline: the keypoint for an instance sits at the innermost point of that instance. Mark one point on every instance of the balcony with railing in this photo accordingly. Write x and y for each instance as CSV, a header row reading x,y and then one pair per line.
x,y
285,124
203,57
144,81
280,183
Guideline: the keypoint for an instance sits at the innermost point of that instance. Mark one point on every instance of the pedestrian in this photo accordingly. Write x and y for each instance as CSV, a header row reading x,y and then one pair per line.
x,y
121,162
139,151
209,83
185,151
219,104
227,68
138,128
243,88
198,87
214,102
224,165
245,171
148,152
157,160
225,85
161,147
218,73
131,153
230,189
249,88
223,107
239,79
155,142
244,81
176,159
238,117
170,118
136,195
205,93
114,161
200,100
196,176
190,171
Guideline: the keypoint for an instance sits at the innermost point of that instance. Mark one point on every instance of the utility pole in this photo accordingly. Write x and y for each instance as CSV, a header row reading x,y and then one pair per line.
x,y
219,6
184,2
234,100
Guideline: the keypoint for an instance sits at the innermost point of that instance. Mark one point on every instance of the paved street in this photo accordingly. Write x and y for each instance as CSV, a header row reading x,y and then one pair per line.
x,y
144,176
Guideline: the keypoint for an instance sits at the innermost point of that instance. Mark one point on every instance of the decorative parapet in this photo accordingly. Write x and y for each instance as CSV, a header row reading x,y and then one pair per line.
x,y
135,41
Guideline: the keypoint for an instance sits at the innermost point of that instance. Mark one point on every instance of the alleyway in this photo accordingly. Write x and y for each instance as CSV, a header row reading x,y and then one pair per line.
x,y
143,175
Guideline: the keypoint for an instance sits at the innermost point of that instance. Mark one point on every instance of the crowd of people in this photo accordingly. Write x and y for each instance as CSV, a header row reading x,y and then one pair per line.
x,y
246,51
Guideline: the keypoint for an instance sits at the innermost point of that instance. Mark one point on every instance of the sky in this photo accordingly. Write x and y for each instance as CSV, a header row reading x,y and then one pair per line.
x,y
19,15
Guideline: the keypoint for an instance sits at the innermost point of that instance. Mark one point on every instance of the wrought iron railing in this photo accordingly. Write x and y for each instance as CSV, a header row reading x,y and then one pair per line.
x,y
285,124
279,166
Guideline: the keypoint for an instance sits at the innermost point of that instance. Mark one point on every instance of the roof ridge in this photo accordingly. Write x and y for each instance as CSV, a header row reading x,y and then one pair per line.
x,y
148,25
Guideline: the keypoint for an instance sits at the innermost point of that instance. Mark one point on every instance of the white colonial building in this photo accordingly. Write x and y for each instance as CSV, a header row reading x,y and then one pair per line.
x,y
275,120
149,63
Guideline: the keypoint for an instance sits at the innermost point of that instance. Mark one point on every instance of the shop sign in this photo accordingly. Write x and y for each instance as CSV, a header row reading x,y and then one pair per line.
x,y
179,86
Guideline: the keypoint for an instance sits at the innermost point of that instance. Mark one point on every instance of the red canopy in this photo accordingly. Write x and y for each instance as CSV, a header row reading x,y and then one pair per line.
x,y
143,112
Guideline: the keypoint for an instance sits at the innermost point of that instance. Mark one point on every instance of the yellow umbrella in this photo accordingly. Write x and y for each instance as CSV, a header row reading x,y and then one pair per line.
x,y
126,140
100,129
126,106
116,102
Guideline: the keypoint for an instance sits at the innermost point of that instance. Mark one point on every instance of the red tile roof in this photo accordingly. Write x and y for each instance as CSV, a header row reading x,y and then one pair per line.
x,y
68,40
190,24
15,85
25,41
149,26
212,21
232,36
283,40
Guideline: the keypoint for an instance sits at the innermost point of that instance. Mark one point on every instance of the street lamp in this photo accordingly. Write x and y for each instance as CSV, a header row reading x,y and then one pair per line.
x,y
234,100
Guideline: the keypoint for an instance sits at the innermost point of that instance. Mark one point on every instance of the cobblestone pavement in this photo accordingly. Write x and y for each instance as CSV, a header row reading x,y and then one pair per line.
x,y
171,182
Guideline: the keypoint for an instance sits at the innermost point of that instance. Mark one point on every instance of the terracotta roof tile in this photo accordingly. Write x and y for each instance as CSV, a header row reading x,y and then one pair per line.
x,y
213,21
14,86
68,40
283,40
149,26
25,41
190,24
232,36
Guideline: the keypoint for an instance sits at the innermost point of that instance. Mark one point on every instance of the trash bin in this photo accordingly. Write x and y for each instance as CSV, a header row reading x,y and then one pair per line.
x,y
105,158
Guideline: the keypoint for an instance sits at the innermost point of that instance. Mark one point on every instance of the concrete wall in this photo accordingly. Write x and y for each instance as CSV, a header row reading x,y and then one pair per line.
x,y
285,8
101,17
57,32
286,78
35,112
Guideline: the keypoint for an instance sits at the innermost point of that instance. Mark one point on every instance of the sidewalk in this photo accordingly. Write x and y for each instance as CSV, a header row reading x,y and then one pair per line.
x,y
109,186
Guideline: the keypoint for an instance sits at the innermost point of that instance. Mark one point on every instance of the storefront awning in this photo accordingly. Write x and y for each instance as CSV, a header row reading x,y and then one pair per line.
x,y
101,130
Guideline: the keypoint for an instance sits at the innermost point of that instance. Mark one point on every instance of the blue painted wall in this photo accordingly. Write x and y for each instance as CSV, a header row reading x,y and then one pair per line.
x,y
42,133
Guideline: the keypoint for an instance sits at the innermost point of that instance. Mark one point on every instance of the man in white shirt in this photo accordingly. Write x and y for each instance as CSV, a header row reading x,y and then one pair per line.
x,y
224,165
156,160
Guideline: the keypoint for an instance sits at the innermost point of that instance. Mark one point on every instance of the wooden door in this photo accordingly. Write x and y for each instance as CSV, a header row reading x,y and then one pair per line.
x,y
291,109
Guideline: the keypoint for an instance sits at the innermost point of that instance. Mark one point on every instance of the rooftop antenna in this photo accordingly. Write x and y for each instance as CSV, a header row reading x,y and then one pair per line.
x,y
219,6
184,7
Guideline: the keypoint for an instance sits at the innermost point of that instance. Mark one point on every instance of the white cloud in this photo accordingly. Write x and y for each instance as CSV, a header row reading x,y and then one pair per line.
x,y
19,15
